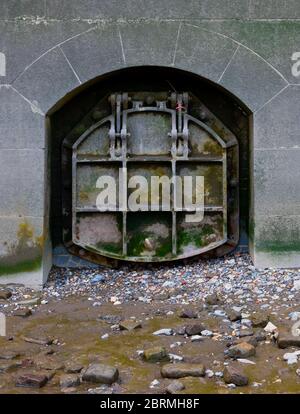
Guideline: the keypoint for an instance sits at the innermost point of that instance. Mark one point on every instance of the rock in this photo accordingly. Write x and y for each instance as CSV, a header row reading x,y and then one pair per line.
x,y
68,381
245,332
188,314
165,332
234,316
220,313
129,325
8,355
206,332
6,366
73,367
174,357
197,338
252,341
102,374
246,361
38,341
180,330
30,302
233,375
260,335
212,299
23,313
5,294
297,284
98,279
285,341
194,329
174,387
31,380
50,364
111,319
154,383
241,350
294,316
155,354
291,357
259,320
270,328
181,370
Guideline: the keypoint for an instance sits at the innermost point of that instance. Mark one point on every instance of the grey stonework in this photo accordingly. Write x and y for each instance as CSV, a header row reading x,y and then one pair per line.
x,y
50,48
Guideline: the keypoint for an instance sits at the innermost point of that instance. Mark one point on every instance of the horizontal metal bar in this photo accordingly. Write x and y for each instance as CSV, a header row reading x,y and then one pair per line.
x,y
183,210
149,159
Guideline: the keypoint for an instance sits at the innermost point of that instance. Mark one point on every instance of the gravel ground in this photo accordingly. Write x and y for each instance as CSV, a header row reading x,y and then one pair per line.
x,y
181,284
200,309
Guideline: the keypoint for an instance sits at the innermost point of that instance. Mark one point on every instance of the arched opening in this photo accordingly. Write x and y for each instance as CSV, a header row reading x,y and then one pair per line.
x,y
213,114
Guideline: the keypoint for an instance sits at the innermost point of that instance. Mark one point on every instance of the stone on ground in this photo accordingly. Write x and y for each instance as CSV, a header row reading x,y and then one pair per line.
x,y
259,320
188,314
194,329
129,325
174,387
234,316
233,375
31,380
241,350
212,299
22,313
285,341
69,381
155,354
180,370
100,373
5,294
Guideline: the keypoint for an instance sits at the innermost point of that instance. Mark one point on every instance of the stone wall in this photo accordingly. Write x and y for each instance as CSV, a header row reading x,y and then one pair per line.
x,y
48,48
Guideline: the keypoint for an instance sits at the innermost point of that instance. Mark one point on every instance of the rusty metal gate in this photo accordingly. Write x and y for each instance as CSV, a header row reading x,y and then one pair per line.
x,y
157,134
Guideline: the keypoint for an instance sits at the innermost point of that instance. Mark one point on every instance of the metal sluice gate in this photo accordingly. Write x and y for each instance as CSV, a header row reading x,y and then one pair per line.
x,y
151,134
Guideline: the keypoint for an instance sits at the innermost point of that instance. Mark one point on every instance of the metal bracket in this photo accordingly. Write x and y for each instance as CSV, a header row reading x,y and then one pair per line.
x,y
179,132
118,130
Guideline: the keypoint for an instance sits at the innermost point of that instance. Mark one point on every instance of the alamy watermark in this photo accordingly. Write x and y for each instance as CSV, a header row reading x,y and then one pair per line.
x,y
157,193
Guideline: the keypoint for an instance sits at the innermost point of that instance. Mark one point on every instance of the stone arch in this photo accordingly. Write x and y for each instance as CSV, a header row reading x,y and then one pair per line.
x,y
110,46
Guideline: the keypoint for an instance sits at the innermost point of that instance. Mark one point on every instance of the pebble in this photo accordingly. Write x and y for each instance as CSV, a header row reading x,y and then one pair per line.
x,y
291,357
270,328
175,387
154,383
196,338
206,332
163,332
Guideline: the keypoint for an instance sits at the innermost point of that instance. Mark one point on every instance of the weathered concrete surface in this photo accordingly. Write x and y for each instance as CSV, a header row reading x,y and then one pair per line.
x,y
51,47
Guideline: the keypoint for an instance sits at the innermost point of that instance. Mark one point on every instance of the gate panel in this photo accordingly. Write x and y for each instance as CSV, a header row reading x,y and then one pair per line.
x,y
143,140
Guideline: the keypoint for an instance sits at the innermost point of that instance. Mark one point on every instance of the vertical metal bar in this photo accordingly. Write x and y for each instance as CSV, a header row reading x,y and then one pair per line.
x,y
124,206
174,214
225,207
74,194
